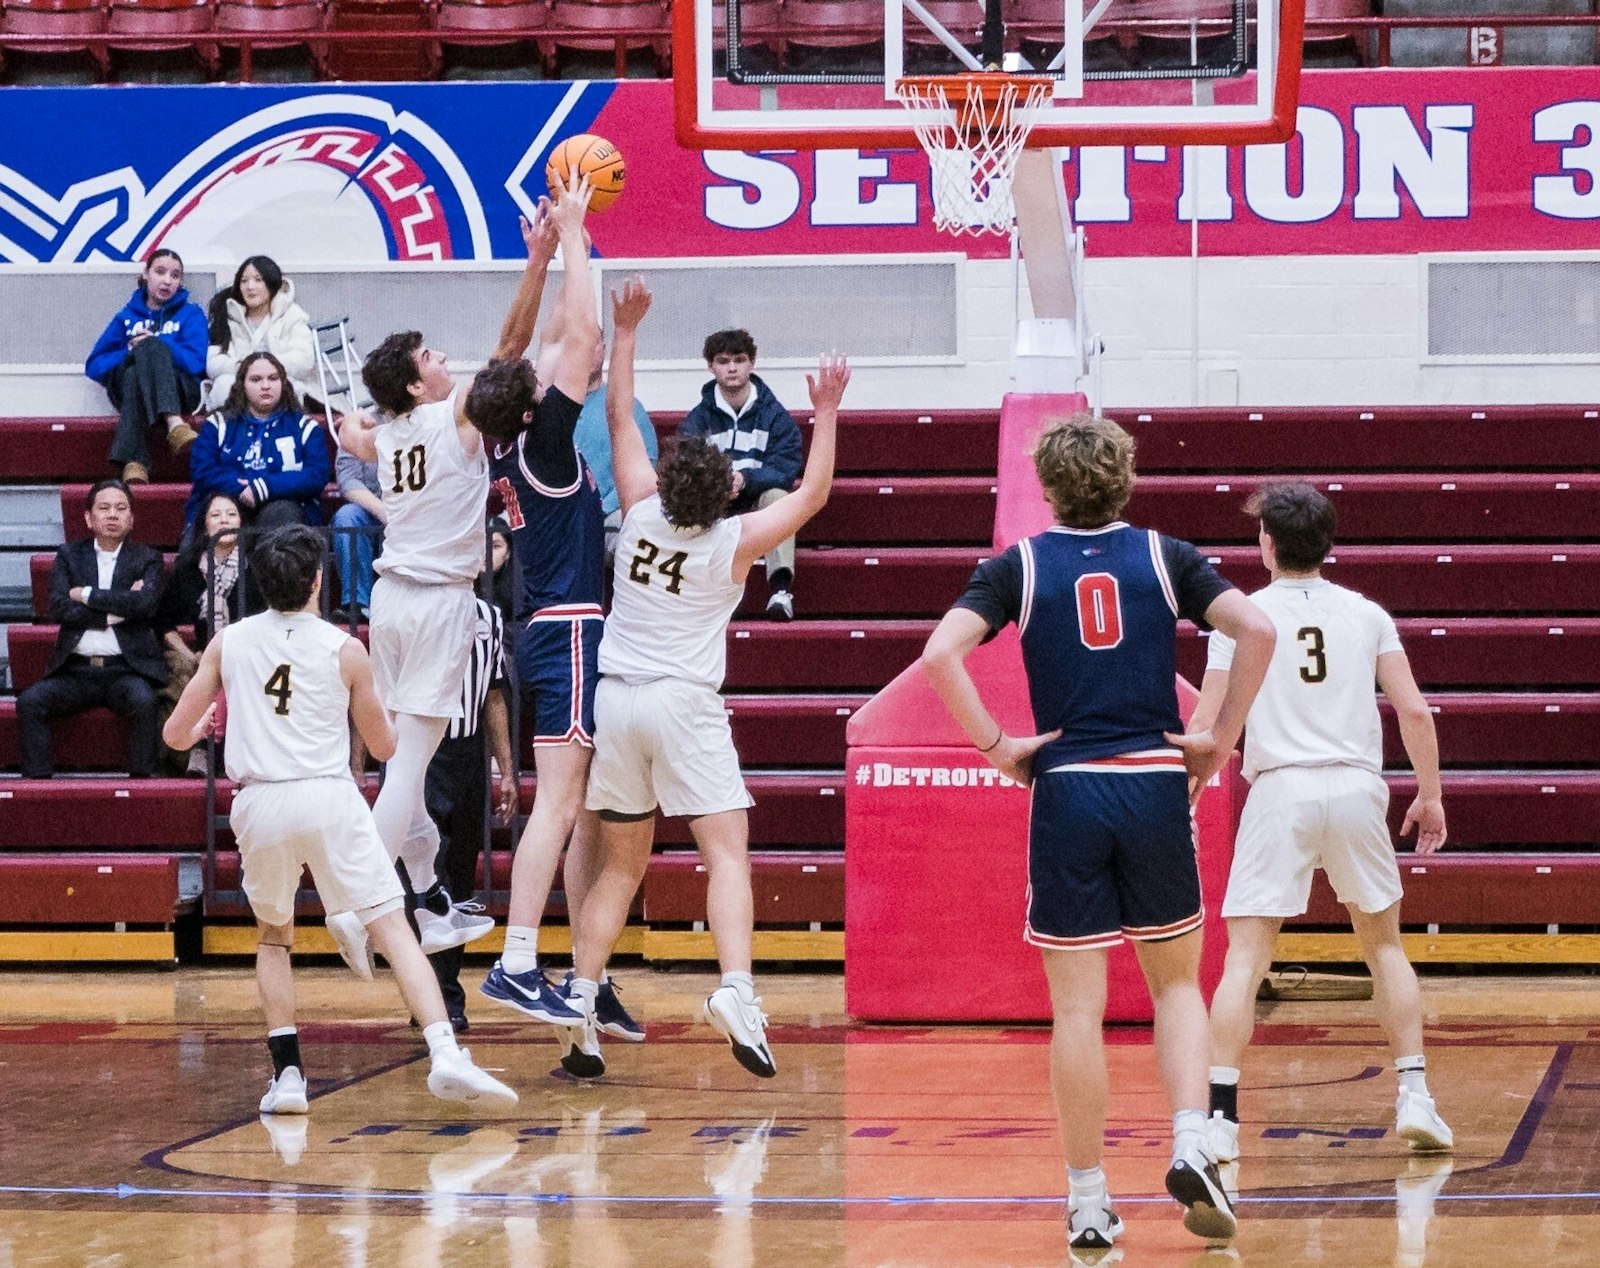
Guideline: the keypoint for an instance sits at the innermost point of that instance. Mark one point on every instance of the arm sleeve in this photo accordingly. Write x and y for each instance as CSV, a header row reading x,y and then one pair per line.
x,y
780,465
306,484
548,443
108,352
995,591
190,341
1195,583
1219,653
647,431
65,610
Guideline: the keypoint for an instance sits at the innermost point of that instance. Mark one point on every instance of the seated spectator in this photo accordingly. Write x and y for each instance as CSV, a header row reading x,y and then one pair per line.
x,y
502,580
260,449
740,416
358,532
593,439
103,593
149,359
258,313
201,593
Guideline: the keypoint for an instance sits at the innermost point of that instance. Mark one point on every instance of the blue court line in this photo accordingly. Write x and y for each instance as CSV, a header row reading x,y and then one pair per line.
x,y
126,1191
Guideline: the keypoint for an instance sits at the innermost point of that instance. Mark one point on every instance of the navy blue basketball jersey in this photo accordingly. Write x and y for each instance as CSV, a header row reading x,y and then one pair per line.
x,y
553,506
1098,612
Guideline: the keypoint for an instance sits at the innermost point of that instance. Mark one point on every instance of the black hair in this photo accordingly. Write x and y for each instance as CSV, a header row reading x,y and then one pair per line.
x,y
695,480
730,342
391,368
109,483
497,527
160,253
238,403
1299,520
285,564
196,542
217,309
501,398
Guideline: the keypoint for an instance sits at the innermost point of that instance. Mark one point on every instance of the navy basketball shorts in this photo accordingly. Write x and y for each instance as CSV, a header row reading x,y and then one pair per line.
x,y
558,667
1111,855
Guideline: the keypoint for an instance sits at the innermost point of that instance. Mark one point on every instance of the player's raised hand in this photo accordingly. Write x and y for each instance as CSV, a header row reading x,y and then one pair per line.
x,y
1203,757
1012,755
630,305
353,428
832,377
1427,817
539,235
572,202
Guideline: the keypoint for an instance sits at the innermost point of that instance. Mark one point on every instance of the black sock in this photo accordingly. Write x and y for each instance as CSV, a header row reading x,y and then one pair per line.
x,y
436,900
780,579
285,1050
1225,1099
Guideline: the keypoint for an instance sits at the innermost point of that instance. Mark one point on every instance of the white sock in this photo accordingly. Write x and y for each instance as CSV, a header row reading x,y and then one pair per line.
x,y
521,952
1225,1075
283,1030
1189,1133
583,987
1413,1072
441,1038
1087,1186
744,983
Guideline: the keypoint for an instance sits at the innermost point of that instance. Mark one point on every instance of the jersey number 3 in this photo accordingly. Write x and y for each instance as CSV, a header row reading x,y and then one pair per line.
x,y
1316,654
278,686
1099,611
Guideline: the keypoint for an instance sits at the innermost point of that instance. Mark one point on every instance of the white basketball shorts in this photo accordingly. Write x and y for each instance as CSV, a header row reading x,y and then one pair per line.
x,y
1298,818
421,639
323,824
665,743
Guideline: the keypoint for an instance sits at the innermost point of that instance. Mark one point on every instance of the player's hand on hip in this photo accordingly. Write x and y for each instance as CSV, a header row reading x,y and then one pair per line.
x,y
629,306
1427,817
1203,757
1013,755
833,376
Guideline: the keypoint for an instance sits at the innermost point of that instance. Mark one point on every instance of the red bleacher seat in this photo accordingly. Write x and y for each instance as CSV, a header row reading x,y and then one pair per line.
x,y
600,26
90,889
760,22
66,20
1546,729
167,26
1332,10
272,24
961,18
91,741
1481,889
835,23
789,888
491,16
378,58
811,655
158,512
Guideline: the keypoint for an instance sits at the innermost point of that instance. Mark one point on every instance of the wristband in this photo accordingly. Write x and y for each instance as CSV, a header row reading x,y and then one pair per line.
x,y
997,740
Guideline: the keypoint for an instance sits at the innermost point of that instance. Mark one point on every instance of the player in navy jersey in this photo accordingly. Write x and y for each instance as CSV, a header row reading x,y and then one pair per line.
x,y
1111,850
558,551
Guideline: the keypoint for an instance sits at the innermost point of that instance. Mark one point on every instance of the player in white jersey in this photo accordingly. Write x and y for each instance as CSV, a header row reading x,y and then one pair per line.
x,y
292,682
1313,753
434,472
661,732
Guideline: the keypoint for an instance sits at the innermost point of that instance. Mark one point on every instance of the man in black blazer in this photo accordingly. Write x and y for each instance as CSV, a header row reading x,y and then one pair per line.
x,y
104,594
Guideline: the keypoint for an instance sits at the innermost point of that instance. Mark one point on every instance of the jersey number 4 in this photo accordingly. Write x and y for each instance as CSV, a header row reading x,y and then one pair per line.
x,y
278,687
671,567
1099,611
410,469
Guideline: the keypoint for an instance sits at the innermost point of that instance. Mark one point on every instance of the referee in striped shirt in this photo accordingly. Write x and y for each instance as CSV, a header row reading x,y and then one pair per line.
x,y
457,794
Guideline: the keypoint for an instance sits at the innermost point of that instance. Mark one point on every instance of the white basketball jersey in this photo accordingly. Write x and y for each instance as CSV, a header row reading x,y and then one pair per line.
x,y
435,496
673,596
288,706
1317,705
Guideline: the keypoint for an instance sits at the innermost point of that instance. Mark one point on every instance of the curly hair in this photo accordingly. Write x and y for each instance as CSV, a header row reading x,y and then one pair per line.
x,y
238,403
391,368
501,398
695,480
1086,467
1299,520
735,343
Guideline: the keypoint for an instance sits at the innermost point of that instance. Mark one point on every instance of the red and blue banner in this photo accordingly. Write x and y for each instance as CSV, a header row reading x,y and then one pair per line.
x,y
1385,162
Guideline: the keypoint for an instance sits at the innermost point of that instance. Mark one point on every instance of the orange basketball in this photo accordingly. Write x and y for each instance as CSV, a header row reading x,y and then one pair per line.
x,y
591,156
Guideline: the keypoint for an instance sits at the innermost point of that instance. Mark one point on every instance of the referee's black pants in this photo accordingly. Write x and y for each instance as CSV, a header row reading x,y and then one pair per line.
x,y
456,793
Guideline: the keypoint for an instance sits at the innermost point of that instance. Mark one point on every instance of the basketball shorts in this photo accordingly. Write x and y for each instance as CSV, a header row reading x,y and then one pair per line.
x,y
1298,818
558,666
1111,855
665,743
323,824
421,638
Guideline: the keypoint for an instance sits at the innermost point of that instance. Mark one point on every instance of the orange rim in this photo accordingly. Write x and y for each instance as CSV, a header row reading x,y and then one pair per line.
x,y
987,86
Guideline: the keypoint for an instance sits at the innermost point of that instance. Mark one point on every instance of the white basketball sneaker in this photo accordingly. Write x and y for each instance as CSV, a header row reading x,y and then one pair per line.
x,y
455,1078
355,948
1223,1137
1417,1122
745,1026
286,1094
1092,1225
463,923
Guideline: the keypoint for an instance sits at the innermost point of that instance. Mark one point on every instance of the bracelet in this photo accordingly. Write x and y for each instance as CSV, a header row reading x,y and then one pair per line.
x,y
997,740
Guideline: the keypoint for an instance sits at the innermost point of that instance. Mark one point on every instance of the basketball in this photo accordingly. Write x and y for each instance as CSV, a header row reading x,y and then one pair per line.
x,y
591,156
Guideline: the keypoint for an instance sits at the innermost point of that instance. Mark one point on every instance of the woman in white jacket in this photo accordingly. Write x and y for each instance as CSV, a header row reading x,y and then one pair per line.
x,y
258,314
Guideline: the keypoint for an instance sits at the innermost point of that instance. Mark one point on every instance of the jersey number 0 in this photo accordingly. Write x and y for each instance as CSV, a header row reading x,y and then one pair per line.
x,y
1099,611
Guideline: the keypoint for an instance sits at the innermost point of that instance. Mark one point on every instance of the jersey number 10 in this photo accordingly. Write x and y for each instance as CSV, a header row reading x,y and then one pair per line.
x,y
410,469
1099,611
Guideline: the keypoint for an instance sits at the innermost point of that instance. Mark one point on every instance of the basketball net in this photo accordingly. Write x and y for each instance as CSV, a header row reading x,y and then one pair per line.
x,y
973,128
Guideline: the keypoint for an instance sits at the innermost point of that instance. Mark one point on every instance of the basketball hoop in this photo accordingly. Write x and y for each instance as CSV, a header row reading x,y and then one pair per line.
x,y
973,127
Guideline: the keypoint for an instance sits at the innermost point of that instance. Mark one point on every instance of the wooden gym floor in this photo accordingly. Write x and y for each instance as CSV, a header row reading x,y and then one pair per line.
x,y
128,1098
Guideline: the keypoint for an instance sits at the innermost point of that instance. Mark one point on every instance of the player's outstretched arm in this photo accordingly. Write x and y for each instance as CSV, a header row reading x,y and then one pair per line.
x,y
760,531
630,462
578,322
371,718
539,237
1205,751
357,434
192,717
1417,733
944,661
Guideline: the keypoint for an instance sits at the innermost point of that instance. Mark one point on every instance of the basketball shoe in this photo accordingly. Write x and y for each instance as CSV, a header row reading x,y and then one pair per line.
x,y
582,1059
609,1014
286,1094
454,1078
1193,1180
355,948
1092,1225
745,1027
461,924
1418,1123
780,607
1223,1137
531,994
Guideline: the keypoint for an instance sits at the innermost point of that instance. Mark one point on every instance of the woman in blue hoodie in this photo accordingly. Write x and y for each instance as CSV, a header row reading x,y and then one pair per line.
x,y
262,451
150,359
